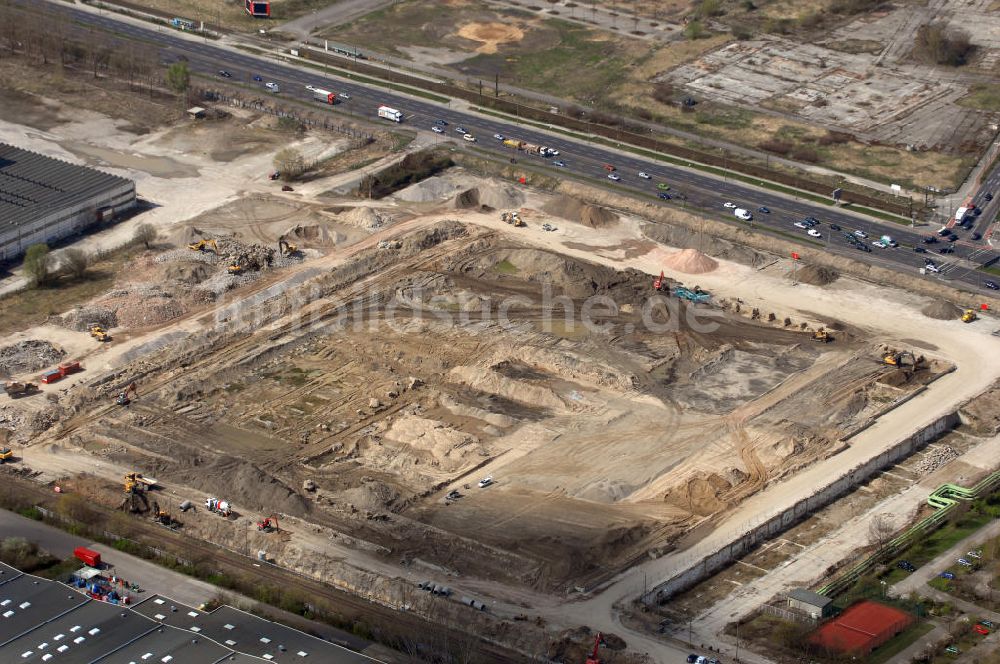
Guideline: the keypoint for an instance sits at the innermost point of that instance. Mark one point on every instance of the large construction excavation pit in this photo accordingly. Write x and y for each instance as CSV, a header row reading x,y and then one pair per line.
x,y
365,405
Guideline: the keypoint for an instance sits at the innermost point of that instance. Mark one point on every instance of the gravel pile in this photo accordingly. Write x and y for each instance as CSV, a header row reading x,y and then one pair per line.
x,y
141,305
29,355
188,256
82,318
935,458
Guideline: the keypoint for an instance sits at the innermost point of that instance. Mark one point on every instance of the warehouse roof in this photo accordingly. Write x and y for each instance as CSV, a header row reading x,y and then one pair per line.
x,y
32,185
809,597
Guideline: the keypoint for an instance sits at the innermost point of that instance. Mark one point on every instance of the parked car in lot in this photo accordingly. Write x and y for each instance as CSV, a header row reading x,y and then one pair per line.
x,y
964,562
947,575
975,554
272,86
469,137
906,565
437,130
344,95
931,267
992,285
979,629
863,247
443,123
257,77
225,74
946,250
987,623
977,236
461,130
988,196
929,240
920,250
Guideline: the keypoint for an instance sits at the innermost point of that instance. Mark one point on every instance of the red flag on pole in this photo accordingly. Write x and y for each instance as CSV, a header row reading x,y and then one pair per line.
x,y
795,256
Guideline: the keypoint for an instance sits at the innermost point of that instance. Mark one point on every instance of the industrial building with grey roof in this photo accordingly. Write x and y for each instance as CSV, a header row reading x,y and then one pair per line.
x,y
46,621
43,199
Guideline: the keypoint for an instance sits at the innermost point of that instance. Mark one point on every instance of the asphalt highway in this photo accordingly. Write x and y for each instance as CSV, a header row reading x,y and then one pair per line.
x,y
690,188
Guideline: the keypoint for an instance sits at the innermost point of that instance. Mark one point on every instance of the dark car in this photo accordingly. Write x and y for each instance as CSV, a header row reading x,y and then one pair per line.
x,y
988,196
920,250
834,227
906,565
992,285
225,74
863,247
944,231
929,240
258,78
443,123
976,236
947,575
763,210
946,250
812,220
952,238
665,196
976,212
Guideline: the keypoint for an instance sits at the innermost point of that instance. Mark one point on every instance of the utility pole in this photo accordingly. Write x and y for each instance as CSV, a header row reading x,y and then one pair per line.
x,y
496,85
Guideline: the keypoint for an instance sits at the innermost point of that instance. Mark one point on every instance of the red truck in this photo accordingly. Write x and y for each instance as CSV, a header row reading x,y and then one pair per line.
x,y
87,556
65,369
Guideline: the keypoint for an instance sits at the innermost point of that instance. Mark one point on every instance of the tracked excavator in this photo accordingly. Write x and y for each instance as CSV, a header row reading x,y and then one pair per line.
x,y
269,524
123,397
899,359
286,248
203,244
592,658
135,494
16,389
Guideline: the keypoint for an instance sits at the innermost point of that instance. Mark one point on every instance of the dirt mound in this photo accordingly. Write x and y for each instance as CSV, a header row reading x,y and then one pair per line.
x,y
244,484
468,199
313,233
364,217
187,273
491,35
817,275
372,496
28,355
941,310
574,210
690,261
699,495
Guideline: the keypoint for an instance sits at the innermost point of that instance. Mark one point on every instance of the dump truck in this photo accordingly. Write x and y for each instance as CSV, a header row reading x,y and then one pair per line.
x,y
531,148
17,389
969,316
696,295
513,143
388,113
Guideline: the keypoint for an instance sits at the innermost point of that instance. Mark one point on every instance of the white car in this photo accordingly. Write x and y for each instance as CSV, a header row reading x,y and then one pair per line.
x,y
861,234
470,138
311,88
813,232
743,214
486,481
729,204
499,137
931,267
880,244
975,554
272,86
614,176
437,130
344,95
799,224
645,176
553,152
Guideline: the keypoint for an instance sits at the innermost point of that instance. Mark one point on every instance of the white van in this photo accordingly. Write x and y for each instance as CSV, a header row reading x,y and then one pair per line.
x,y
743,214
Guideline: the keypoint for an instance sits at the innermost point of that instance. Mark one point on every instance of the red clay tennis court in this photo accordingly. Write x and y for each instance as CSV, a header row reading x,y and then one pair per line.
x,y
861,628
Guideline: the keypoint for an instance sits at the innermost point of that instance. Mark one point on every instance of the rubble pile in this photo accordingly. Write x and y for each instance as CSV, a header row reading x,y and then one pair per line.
x,y
29,355
83,317
141,305
936,457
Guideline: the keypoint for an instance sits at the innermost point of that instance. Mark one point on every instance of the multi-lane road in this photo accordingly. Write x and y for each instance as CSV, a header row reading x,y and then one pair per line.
x,y
582,159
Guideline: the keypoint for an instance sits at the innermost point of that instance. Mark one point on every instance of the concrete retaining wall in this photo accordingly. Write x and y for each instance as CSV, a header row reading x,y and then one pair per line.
x,y
715,561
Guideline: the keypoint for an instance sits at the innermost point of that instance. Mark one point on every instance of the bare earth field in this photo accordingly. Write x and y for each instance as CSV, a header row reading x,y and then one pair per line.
x,y
360,385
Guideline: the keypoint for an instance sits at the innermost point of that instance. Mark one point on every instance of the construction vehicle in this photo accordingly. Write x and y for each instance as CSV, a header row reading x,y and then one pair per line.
x,y
202,244
6,455
512,218
137,483
16,389
598,642
123,397
695,295
163,517
235,269
822,336
269,524
899,359
969,316
286,248
220,507
660,284
513,143
99,332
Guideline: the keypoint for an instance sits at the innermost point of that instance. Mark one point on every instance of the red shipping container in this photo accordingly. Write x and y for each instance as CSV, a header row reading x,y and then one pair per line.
x,y
52,377
67,368
88,556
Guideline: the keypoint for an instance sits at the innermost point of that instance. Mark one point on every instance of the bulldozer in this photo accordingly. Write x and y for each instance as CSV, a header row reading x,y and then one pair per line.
x,y
286,248
99,332
6,455
16,389
822,336
123,396
512,218
202,244
969,316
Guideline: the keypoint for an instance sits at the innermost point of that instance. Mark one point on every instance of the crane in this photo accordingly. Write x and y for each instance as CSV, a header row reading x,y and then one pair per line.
x,y
593,658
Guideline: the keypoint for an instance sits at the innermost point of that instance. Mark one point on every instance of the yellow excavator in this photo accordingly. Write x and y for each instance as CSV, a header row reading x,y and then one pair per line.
x,y
969,316
202,244
6,454
235,269
286,248
894,359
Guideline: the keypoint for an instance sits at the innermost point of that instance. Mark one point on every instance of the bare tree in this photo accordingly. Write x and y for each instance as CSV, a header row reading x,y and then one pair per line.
x,y
880,530
75,262
144,233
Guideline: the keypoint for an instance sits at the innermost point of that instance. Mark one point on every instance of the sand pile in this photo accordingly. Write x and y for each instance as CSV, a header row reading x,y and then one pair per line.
x,y
815,275
28,355
314,233
690,261
572,209
371,496
489,196
469,200
141,305
244,484
941,310
364,217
